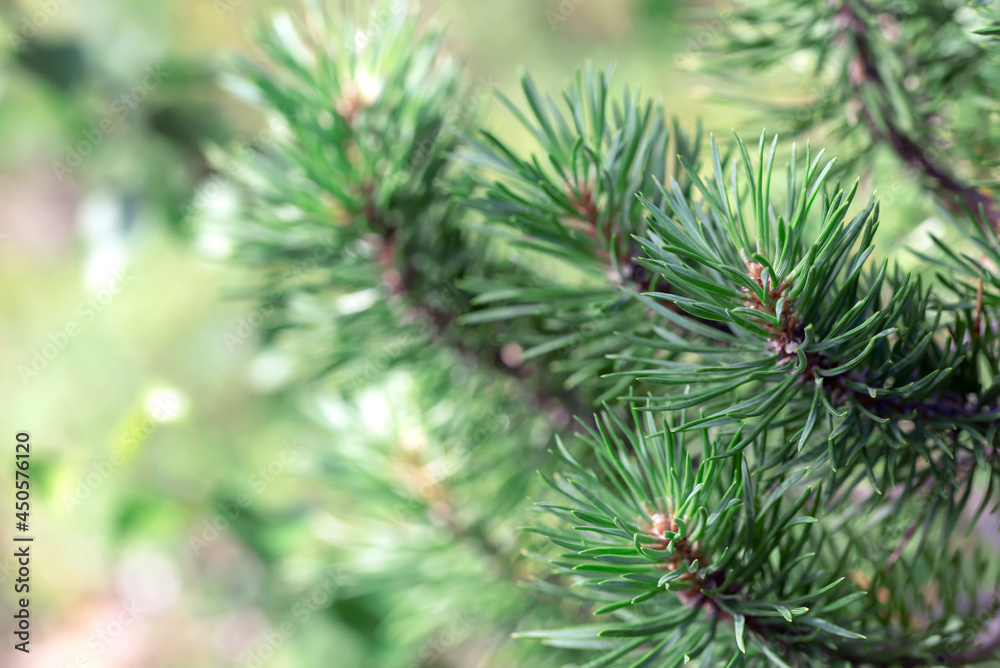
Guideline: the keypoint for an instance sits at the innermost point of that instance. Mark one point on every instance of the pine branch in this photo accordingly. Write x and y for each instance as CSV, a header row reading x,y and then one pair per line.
x,y
676,538
892,66
816,313
369,181
401,275
574,202
772,373
805,362
863,69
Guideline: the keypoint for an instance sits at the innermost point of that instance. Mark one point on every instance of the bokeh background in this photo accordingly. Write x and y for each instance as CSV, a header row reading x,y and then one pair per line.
x,y
179,511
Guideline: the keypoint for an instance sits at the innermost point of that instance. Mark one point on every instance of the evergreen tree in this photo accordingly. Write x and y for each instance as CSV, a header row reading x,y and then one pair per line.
x,y
759,442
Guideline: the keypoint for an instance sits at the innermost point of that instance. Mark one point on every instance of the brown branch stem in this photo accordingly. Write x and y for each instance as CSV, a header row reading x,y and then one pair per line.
x,y
864,70
402,277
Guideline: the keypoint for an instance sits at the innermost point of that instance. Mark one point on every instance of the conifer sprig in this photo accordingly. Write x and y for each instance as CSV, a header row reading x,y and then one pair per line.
x,y
348,211
692,557
346,198
573,203
886,74
786,397
817,342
